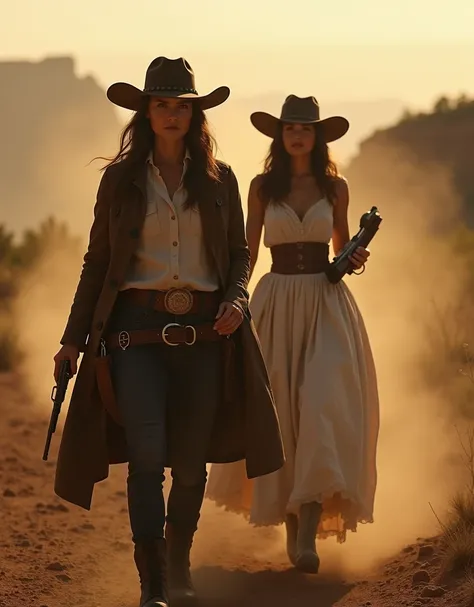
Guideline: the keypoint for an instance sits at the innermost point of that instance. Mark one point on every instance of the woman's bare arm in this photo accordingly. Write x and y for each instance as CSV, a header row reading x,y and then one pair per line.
x,y
340,234
255,217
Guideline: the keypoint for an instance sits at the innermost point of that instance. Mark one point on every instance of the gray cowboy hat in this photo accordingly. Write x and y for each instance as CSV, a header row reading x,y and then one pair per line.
x,y
301,110
165,78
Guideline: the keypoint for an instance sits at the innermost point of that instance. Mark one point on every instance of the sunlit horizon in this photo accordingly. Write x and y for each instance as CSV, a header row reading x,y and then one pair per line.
x,y
337,51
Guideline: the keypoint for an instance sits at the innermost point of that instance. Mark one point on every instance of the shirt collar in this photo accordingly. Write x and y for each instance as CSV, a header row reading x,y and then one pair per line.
x,y
187,158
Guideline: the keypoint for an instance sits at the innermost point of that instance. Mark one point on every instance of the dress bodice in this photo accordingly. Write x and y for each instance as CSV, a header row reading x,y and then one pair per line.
x,y
282,224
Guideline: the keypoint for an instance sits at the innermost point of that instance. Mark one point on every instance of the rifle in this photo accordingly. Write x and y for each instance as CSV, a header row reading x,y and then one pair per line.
x,y
341,264
58,394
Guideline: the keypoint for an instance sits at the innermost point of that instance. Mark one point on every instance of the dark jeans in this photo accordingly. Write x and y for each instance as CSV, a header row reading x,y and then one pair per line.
x,y
167,397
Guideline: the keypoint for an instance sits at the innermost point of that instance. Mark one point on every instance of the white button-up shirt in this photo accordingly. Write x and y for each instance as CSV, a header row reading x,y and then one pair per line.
x,y
170,250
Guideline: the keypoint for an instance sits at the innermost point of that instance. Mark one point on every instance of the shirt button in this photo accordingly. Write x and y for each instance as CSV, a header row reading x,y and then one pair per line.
x,y
175,244
175,277
173,217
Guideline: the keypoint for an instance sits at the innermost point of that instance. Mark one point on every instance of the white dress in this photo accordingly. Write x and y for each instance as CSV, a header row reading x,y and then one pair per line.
x,y
323,376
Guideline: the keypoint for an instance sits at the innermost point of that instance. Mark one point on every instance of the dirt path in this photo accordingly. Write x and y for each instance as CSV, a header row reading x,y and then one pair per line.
x,y
57,555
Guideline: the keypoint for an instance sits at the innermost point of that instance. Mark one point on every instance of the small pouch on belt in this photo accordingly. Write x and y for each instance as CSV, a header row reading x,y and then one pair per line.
x,y
105,385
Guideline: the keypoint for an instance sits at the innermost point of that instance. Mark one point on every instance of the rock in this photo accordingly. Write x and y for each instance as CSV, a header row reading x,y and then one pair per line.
x,y
401,568
26,492
421,577
57,507
63,578
433,591
15,422
408,550
122,546
9,493
425,551
56,567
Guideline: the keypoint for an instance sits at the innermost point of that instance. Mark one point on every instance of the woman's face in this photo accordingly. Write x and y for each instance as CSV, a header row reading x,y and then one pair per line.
x,y
298,139
170,118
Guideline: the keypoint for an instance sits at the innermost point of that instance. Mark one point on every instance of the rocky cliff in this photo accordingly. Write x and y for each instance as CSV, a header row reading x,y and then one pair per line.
x,y
424,161
53,123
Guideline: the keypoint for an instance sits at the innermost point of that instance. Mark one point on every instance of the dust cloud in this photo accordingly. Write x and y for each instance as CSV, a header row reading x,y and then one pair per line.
x,y
409,297
46,291
40,313
411,269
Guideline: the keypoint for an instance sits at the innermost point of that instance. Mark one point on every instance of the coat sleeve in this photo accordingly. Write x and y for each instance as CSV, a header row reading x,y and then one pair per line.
x,y
239,253
94,269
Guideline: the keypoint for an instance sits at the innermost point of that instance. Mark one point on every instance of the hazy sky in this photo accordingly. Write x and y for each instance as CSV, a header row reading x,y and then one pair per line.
x,y
348,49
99,25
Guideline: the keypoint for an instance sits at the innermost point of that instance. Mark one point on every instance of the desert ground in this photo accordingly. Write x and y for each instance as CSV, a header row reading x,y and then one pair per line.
x,y
54,554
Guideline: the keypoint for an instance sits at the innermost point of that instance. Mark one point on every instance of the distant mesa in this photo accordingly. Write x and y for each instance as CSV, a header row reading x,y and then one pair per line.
x,y
54,123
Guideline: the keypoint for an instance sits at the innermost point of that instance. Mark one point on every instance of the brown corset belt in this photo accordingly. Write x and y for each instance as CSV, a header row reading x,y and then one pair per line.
x,y
300,258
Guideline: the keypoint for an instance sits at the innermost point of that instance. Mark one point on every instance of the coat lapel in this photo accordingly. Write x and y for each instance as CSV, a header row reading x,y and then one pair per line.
x,y
140,181
213,232
132,217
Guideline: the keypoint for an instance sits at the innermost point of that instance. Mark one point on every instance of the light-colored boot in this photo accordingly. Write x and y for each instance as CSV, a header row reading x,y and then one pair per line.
x,y
307,559
291,524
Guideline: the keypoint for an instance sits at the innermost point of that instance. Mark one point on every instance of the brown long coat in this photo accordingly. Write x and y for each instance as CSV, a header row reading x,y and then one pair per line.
x,y
247,425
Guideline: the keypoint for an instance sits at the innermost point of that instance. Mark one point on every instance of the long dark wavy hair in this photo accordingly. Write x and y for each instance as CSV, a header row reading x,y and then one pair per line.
x,y
137,140
275,182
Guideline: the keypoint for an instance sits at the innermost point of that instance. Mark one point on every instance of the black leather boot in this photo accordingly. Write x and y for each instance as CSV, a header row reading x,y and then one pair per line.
x,y
307,559
150,559
179,542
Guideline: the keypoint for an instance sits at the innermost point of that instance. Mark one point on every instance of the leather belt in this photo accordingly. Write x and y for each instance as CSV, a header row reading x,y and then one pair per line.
x,y
175,301
172,334
300,258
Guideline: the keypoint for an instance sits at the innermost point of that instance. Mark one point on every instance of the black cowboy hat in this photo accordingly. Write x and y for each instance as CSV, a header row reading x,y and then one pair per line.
x,y
165,77
301,110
